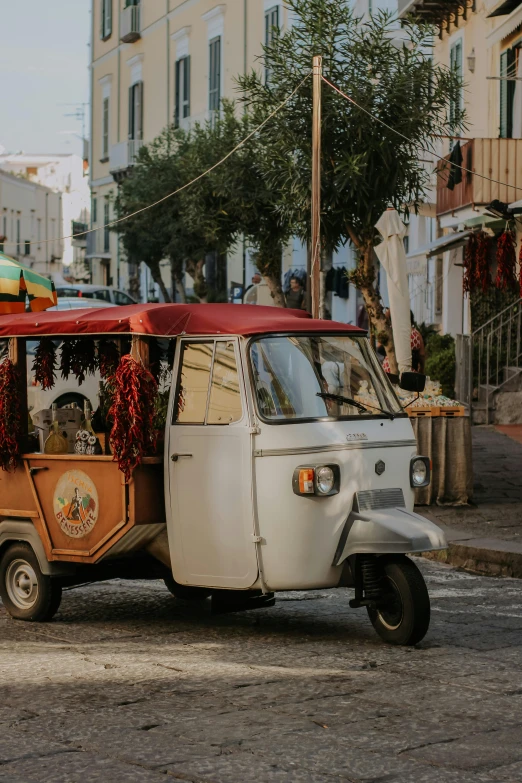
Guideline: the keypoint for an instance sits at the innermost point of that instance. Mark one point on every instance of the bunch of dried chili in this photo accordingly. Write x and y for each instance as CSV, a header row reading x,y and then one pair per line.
x,y
470,255
9,416
44,364
78,358
482,274
108,357
506,261
132,413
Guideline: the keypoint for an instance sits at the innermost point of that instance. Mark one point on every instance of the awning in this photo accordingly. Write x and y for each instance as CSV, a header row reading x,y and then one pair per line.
x,y
510,24
440,245
505,8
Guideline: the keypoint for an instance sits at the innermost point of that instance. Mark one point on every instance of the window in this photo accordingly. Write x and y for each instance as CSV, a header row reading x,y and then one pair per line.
x,y
38,230
94,210
508,68
105,19
271,30
27,247
106,230
123,299
224,405
438,285
182,89
200,399
105,129
196,362
136,111
102,294
214,74
18,245
292,373
455,108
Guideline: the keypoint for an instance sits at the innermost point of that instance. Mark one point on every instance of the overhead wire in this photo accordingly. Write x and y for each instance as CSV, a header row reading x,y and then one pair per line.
x,y
411,141
192,181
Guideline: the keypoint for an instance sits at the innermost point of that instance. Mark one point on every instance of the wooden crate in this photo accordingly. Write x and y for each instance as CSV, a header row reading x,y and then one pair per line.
x,y
422,411
453,411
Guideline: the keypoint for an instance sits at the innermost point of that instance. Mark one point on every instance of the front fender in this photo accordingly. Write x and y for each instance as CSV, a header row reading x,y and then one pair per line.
x,y
387,531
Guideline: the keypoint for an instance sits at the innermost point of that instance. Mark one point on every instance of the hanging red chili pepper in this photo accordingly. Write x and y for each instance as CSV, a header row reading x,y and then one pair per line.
x,y
44,364
506,261
9,416
132,413
470,258
78,358
482,273
108,357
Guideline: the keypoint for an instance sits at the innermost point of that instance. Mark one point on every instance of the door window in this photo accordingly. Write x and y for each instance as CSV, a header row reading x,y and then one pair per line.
x,y
200,401
225,396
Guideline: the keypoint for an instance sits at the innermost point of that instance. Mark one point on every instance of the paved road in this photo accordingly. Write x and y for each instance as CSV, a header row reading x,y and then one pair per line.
x,y
129,685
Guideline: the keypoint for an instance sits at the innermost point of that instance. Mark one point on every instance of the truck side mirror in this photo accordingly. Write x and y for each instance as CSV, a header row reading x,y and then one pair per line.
x,y
413,382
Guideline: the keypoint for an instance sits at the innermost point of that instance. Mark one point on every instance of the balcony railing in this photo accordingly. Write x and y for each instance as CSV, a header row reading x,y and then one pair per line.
x,y
123,155
78,230
488,159
98,244
436,11
130,24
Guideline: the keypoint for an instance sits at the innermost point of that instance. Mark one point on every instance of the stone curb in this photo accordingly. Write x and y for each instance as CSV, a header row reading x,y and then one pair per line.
x,y
480,560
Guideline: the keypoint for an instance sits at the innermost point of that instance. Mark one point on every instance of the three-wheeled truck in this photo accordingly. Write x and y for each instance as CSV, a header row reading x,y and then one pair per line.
x,y
288,464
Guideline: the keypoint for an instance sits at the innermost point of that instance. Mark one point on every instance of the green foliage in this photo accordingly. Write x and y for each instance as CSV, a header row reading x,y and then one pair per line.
x,y
365,165
440,361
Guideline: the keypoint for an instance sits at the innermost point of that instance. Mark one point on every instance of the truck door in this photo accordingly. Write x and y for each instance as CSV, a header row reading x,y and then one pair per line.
x,y
210,469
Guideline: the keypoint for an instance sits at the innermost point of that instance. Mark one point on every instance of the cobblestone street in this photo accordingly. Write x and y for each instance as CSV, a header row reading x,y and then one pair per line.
x,y
129,685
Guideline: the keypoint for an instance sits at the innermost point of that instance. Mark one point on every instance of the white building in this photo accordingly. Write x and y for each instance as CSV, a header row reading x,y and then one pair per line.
x,y
31,224
67,175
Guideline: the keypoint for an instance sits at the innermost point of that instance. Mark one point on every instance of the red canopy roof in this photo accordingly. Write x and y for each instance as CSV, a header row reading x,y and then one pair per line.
x,y
167,320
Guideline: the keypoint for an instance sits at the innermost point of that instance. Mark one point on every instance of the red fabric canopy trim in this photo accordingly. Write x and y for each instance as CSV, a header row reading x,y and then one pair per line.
x,y
168,320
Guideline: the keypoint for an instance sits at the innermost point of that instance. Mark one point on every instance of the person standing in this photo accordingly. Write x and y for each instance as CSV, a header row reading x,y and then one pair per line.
x,y
295,298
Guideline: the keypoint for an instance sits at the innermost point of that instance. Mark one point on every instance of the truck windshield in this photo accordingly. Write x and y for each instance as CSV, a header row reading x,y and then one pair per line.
x,y
294,374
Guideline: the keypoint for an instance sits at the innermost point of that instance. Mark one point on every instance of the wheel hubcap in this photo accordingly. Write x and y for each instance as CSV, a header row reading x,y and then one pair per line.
x,y
391,610
22,584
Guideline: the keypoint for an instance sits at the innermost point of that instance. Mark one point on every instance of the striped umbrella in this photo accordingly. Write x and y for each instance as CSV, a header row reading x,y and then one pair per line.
x,y
17,282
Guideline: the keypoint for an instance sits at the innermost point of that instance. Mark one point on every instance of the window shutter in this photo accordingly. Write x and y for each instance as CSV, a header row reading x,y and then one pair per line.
x,y
503,96
186,87
139,111
108,23
507,92
177,93
130,134
102,18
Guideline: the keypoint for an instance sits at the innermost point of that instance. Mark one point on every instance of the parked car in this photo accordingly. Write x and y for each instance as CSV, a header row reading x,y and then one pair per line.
x,y
87,291
64,391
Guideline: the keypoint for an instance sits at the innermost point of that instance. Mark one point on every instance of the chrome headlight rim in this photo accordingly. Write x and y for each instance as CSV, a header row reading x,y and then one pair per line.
x,y
317,493
427,477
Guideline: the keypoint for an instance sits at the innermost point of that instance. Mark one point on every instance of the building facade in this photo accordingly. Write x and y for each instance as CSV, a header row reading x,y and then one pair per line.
x,y
66,175
481,40
31,224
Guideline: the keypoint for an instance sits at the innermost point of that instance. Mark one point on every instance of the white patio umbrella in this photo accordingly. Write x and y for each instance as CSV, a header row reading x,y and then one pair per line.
x,y
392,256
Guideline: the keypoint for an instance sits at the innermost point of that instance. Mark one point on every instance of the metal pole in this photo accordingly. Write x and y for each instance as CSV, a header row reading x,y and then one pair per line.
x,y
316,185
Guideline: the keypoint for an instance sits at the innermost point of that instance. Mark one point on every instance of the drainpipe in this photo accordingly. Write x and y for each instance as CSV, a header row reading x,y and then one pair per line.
x,y
168,62
46,231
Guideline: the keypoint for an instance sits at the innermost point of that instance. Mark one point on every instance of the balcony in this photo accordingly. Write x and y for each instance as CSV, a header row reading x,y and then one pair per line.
x,y
98,244
130,24
78,230
122,157
498,159
439,12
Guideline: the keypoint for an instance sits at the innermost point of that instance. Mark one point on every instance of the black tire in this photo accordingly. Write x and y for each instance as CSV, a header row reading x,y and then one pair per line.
x,y
404,615
184,592
26,593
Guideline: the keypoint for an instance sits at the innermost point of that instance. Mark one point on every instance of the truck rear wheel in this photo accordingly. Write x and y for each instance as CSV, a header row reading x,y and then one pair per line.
x,y
403,613
26,593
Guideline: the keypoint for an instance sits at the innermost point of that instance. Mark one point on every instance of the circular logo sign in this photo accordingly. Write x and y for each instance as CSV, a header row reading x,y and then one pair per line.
x,y
76,503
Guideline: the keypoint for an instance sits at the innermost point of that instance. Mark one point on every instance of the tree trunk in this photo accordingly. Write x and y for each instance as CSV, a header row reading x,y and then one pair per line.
x,y
276,290
158,279
196,270
363,278
177,280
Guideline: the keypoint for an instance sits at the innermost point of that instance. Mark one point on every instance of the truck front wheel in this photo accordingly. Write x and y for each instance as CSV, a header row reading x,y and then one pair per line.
x,y
26,593
403,612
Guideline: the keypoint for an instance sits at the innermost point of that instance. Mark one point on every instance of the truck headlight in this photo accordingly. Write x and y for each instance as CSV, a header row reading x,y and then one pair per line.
x,y
420,472
321,480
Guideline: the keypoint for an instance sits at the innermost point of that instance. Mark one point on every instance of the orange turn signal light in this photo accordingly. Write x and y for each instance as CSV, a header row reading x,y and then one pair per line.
x,y
306,481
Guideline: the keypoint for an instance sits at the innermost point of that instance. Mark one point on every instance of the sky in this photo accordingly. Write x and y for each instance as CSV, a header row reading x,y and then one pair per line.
x,y
44,57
